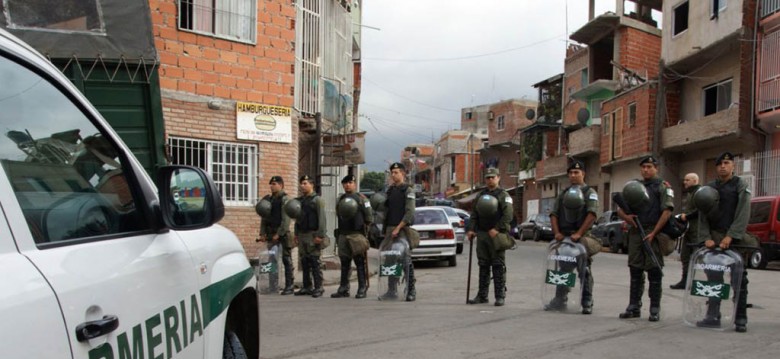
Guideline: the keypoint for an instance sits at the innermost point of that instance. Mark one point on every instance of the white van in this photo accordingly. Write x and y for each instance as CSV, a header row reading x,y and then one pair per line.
x,y
94,261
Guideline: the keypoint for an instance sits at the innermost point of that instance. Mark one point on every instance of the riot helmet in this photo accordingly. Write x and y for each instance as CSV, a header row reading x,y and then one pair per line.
x,y
292,208
636,196
487,205
378,201
263,208
346,208
573,201
706,199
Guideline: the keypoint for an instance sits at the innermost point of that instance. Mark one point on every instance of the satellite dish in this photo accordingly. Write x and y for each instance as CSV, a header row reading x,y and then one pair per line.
x,y
530,114
583,115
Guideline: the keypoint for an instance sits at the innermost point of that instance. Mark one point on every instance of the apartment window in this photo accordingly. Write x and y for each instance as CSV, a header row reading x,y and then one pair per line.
x,y
617,134
605,123
68,15
680,18
717,97
595,108
468,115
500,125
632,114
583,78
232,166
228,19
716,7
510,167
452,170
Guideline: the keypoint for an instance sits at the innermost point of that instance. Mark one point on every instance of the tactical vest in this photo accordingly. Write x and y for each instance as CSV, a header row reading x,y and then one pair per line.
x,y
487,223
566,225
309,219
356,223
727,205
396,205
275,219
651,213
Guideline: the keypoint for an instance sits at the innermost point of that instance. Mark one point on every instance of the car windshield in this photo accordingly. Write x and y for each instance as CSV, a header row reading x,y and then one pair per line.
x,y
450,212
542,218
430,216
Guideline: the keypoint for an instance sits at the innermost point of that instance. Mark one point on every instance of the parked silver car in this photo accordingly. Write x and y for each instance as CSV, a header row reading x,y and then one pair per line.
x,y
437,235
459,224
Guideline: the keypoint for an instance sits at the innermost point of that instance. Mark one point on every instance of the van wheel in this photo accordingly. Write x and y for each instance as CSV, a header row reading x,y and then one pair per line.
x,y
459,249
758,259
232,348
537,236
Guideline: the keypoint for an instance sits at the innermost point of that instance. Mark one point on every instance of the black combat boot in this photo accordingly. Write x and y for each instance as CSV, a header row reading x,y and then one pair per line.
x,y
684,279
343,291
712,318
634,308
499,282
362,276
561,299
587,291
316,272
740,318
654,291
484,285
411,294
289,275
306,266
392,288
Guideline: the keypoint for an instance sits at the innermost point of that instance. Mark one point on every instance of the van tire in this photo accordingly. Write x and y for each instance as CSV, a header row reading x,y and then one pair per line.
x,y
452,261
614,247
232,348
758,259
459,248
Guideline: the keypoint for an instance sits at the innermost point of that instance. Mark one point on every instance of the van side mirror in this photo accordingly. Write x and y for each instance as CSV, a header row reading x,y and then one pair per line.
x,y
189,198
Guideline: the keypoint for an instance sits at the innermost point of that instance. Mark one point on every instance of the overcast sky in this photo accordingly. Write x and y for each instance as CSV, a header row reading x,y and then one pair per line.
x,y
430,58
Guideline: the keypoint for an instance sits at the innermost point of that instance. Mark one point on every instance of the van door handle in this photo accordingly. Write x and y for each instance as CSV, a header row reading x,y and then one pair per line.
x,y
96,328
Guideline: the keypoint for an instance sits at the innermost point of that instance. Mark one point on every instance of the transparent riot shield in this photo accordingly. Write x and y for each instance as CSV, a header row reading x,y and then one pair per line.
x,y
395,257
714,278
267,271
564,269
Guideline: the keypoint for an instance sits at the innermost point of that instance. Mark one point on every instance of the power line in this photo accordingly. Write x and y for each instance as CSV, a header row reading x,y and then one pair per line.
x,y
467,57
408,114
409,99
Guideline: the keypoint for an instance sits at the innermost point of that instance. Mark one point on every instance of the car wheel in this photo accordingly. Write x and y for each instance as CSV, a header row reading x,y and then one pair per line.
x,y
537,236
758,259
614,246
452,261
522,236
232,348
459,248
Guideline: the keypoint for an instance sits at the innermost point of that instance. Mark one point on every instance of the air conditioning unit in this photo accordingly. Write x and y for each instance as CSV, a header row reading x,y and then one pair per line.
x,y
490,115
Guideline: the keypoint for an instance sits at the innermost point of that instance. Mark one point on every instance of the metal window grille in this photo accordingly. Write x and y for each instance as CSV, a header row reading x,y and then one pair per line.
x,y
232,166
228,19
769,86
308,55
323,38
769,7
500,124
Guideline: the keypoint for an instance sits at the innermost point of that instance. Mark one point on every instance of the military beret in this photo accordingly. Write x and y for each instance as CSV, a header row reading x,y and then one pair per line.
x,y
397,165
649,159
305,178
277,179
348,178
576,165
724,156
491,172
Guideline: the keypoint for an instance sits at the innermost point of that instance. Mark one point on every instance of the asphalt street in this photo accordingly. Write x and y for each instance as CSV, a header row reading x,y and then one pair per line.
x,y
440,325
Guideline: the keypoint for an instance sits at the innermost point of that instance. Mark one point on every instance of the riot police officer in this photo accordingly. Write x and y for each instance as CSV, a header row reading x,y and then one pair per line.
x,y
276,225
489,222
689,215
650,201
310,229
354,217
573,215
726,226
399,215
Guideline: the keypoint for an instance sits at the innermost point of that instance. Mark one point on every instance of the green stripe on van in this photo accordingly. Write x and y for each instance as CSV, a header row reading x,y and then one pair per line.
x,y
216,297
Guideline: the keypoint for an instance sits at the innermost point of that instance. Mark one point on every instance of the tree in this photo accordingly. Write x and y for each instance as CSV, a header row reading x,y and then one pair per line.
x,y
373,181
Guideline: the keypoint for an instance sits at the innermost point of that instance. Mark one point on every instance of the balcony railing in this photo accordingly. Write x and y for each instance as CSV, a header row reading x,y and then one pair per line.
x,y
718,126
585,141
769,7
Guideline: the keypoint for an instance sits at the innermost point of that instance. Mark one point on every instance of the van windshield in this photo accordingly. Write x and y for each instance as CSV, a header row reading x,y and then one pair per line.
x,y
759,212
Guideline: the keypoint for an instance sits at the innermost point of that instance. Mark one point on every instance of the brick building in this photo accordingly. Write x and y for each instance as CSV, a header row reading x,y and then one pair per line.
x,y
211,60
